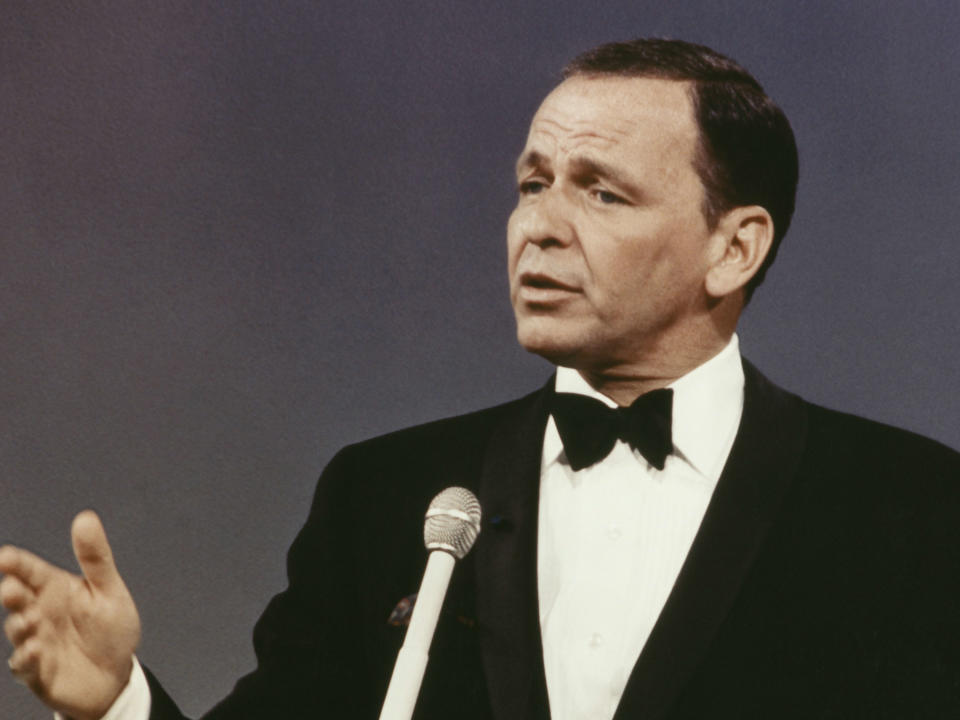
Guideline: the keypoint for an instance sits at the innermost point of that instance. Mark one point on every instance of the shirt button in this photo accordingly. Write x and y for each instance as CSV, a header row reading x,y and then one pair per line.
x,y
596,640
614,532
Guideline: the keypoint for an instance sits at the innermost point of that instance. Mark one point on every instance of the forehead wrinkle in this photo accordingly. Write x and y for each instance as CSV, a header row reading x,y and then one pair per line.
x,y
581,119
580,130
576,142
618,116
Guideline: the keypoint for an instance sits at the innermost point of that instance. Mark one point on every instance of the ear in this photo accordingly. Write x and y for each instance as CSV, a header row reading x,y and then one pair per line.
x,y
741,241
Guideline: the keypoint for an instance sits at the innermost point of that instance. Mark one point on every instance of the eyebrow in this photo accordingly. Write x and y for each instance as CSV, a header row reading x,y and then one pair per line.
x,y
532,159
582,167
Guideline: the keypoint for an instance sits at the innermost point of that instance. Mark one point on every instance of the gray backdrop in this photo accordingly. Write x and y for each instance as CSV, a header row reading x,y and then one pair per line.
x,y
237,235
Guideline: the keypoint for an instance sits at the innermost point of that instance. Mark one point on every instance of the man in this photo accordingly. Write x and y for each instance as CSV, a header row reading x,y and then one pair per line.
x,y
720,549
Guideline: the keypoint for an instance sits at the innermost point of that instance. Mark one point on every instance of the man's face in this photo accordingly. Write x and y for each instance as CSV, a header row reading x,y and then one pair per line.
x,y
607,247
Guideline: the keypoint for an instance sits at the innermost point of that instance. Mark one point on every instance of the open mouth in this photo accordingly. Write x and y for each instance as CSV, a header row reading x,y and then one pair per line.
x,y
540,281
545,292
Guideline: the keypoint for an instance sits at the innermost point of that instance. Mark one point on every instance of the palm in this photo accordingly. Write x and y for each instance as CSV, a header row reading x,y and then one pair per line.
x,y
74,636
91,638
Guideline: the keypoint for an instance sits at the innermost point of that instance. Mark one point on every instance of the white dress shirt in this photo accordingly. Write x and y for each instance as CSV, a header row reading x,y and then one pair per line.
x,y
612,539
613,536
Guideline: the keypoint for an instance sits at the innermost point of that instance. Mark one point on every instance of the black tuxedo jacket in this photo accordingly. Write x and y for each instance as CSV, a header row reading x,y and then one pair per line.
x,y
822,583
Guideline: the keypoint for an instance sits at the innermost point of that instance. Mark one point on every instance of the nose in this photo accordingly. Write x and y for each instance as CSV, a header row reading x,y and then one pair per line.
x,y
544,220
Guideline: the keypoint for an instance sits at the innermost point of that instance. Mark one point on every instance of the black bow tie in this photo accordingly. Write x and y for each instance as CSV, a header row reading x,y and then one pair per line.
x,y
589,429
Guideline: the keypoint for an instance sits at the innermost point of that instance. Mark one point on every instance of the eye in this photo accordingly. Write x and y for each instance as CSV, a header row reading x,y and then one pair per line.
x,y
607,197
532,187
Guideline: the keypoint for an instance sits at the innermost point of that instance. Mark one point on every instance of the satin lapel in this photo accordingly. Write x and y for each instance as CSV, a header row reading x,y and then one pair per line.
x,y
506,565
761,465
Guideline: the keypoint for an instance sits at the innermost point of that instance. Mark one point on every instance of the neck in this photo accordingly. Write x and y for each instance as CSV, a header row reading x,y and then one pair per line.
x,y
625,382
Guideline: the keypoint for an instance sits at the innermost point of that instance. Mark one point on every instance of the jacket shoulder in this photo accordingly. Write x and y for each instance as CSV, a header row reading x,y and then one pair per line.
x,y
450,447
907,480
845,453
843,433
458,429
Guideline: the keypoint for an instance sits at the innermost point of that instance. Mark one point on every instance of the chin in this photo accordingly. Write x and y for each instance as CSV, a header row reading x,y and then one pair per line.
x,y
556,344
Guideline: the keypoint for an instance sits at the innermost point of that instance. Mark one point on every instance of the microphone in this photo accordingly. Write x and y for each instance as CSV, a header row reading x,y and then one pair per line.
x,y
451,527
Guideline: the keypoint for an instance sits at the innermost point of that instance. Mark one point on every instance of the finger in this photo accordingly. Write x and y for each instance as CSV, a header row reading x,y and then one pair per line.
x,y
23,564
25,666
14,594
25,660
15,671
18,627
93,551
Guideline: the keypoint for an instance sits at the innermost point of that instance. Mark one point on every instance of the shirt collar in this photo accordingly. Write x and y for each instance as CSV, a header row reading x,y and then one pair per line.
x,y
707,405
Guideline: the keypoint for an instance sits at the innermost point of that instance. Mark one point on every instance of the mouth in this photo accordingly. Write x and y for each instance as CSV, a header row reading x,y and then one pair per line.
x,y
540,281
542,289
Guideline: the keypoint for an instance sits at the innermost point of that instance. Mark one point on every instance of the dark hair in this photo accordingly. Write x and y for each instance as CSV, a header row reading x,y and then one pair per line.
x,y
747,153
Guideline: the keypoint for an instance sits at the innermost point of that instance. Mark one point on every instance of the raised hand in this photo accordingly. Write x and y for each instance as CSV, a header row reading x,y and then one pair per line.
x,y
73,636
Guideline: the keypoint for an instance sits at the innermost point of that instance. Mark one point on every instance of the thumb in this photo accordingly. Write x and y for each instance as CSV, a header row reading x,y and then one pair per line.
x,y
93,551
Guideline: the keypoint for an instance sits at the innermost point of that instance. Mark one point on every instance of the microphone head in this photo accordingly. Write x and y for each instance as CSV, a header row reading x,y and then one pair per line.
x,y
452,522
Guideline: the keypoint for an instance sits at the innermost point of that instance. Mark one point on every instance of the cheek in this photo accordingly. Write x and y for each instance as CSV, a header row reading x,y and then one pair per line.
x,y
634,274
518,243
617,267
514,244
